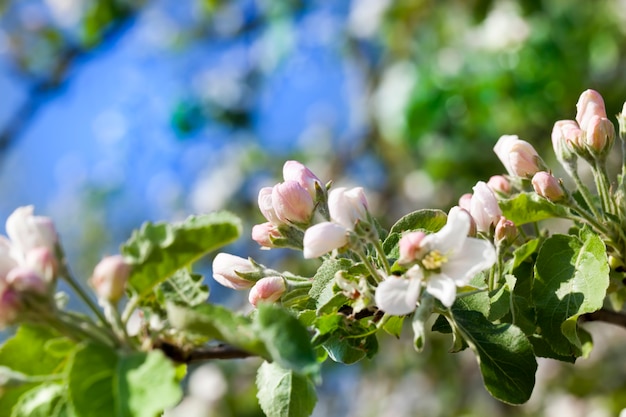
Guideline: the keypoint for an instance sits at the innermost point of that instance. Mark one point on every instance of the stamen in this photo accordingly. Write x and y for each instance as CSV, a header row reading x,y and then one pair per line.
x,y
434,260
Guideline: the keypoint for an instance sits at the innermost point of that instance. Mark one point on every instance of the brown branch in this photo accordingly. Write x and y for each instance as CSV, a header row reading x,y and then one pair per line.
x,y
607,316
221,351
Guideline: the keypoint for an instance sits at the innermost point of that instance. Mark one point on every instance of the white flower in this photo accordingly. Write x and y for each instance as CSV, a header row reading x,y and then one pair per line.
x,y
28,231
450,260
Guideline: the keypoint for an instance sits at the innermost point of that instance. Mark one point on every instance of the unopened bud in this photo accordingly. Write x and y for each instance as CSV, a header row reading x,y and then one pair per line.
x,y
229,269
295,171
600,135
566,137
347,206
292,203
484,207
410,247
547,186
465,201
43,261
25,279
518,156
506,231
265,233
266,206
323,238
268,289
590,103
28,231
499,184
109,278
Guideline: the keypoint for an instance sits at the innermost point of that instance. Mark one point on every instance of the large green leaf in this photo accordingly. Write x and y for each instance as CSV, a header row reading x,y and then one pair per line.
x,y
217,322
284,393
506,359
105,383
530,207
571,278
286,339
157,251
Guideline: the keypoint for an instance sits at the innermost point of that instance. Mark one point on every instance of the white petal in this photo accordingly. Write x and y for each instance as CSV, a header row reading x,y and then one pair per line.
x,y
322,238
443,288
397,296
476,255
450,238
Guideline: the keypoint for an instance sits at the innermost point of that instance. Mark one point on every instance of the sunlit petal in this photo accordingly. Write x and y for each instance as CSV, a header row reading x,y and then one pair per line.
x,y
397,296
474,256
443,288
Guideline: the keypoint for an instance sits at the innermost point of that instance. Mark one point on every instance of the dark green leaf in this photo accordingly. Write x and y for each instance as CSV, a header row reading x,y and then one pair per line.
x,y
529,208
283,392
348,350
157,251
571,278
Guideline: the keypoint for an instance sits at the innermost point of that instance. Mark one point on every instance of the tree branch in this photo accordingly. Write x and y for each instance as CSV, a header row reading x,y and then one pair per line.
x,y
607,316
221,351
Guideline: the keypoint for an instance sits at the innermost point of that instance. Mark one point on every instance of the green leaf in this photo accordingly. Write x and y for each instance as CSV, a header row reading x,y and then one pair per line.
x,y
46,400
283,392
393,326
529,208
348,348
422,313
105,383
571,278
506,359
183,288
524,252
427,220
157,251
286,339
322,289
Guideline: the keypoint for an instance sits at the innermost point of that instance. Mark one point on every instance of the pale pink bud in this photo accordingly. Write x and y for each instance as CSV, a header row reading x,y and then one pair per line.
x,y
295,171
499,184
347,206
600,135
518,156
266,206
547,186
43,261
226,268
268,289
590,103
7,262
505,231
484,207
10,304
410,247
25,279
27,231
323,238
566,137
465,202
265,233
292,202
109,278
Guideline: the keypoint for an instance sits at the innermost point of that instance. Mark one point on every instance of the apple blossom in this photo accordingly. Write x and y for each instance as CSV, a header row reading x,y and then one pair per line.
x,y
518,156
600,135
266,206
109,278
10,304
28,231
506,231
499,184
410,246
484,207
566,137
267,289
292,203
450,259
265,233
323,238
228,270
25,279
295,171
347,206
590,104
547,186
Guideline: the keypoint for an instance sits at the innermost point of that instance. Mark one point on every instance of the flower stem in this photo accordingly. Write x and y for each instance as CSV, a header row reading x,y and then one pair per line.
x,y
584,191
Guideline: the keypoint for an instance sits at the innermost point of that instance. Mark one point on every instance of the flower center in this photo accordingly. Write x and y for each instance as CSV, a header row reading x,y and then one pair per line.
x,y
434,260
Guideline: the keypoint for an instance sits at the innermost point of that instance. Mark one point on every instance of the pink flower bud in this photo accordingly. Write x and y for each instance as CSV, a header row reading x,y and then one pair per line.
x,y
547,186
226,268
43,261
589,104
323,238
268,289
410,247
109,278
506,231
10,304
499,184
518,156
295,171
27,231
265,233
266,206
465,202
484,207
600,135
293,204
25,279
347,206
566,137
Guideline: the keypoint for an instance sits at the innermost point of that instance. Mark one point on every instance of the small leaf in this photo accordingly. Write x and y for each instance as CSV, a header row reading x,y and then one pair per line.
x,y
286,339
393,326
183,288
347,350
283,392
571,278
322,289
157,251
529,208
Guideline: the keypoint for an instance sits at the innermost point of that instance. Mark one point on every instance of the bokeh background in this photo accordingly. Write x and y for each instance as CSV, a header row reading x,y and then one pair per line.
x,y
115,112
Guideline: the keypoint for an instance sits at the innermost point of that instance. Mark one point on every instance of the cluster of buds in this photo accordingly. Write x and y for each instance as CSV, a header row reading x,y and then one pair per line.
x,y
288,206
28,265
